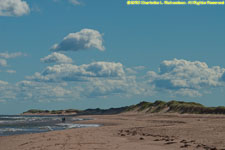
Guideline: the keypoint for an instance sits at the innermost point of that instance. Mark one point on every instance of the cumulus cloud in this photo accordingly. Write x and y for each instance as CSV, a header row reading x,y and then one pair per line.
x,y
56,58
3,62
13,8
97,79
7,55
39,91
62,82
130,71
36,91
125,87
85,39
61,91
70,72
186,77
7,92
135,70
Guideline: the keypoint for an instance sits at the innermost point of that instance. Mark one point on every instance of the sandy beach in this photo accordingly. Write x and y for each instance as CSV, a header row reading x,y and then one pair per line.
x,y
130,131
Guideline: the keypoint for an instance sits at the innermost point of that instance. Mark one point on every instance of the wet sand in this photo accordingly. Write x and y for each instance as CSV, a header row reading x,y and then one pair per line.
x,y
130,131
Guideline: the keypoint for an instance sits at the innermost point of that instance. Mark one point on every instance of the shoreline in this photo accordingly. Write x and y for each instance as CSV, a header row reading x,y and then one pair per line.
x,y
130,131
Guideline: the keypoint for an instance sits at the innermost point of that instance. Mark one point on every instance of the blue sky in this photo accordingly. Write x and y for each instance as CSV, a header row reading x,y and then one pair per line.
x,y
109,54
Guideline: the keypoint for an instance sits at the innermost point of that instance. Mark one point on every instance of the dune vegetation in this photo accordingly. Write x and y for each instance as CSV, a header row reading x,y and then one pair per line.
x,y
176,106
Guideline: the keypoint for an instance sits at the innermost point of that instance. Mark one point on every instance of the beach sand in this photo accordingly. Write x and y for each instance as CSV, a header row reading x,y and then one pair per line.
x,y
130,131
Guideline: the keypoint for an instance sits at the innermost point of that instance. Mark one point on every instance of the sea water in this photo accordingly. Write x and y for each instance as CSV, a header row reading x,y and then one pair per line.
x,y
17,124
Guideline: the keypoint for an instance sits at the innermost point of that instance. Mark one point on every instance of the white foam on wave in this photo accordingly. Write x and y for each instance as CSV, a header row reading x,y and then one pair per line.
x,y
46,128
76,119
11,130
10,121
3,122
7,119
11,117
72,125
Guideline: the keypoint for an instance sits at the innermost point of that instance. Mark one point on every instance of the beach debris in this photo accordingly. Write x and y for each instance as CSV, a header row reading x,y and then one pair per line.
x,y
141,138
185,145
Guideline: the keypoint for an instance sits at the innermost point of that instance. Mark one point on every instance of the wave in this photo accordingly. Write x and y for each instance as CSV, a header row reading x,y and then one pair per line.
x,y
6,119
11,129
11,125
72,125
46,128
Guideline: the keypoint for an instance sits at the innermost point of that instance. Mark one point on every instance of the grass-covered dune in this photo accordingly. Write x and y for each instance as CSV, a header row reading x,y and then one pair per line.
x,y
176,106
145,107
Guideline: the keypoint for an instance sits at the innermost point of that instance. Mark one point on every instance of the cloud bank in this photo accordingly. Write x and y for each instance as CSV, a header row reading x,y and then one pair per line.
x,y
13,8
185,76
56,58
85,39
101,79
70,72
7,55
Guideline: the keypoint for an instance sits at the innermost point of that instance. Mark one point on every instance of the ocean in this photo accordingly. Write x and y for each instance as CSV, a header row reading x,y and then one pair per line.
x,y
17,124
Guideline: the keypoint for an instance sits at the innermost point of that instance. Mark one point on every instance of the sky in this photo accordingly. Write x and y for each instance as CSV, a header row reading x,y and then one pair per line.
x,y
60,54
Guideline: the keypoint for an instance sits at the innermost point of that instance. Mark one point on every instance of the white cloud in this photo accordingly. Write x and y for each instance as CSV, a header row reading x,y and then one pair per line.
x,y
63,82
97,79
3,82
125,87
7,92
69,72
7,55
39,91
85,39
95,87
11,71
45,91
186,92
135,70
3,62
13,8
75,2
130,71
186,77
56,58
